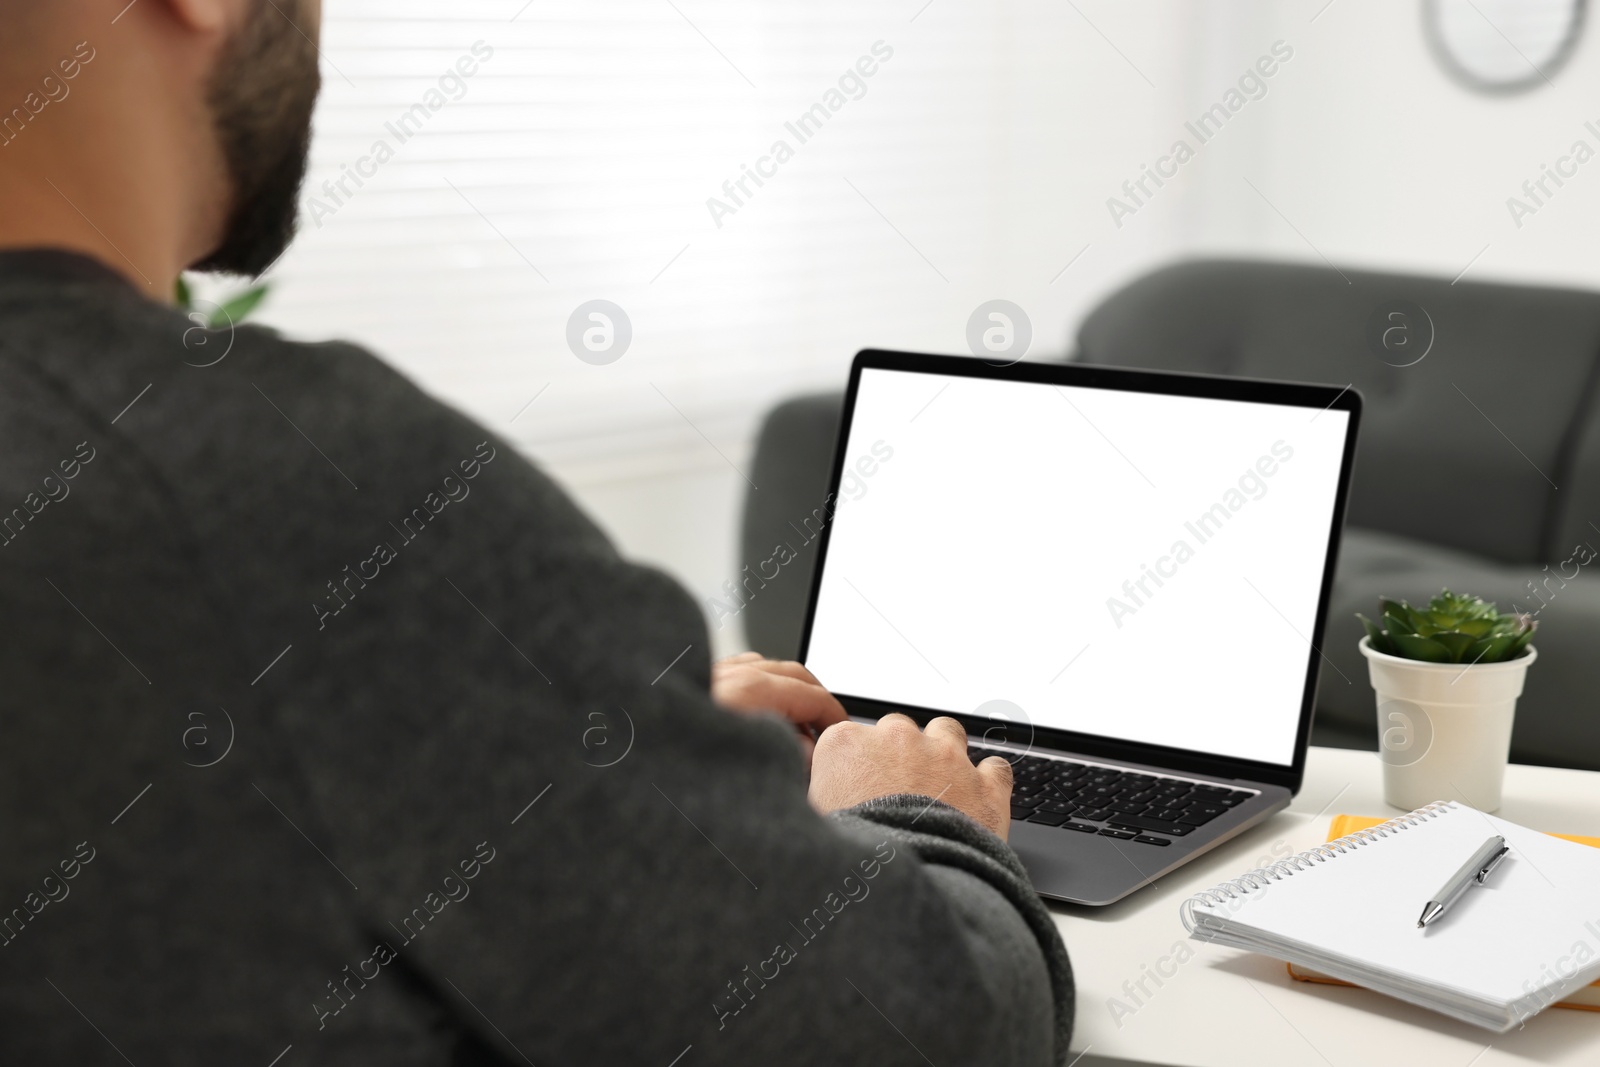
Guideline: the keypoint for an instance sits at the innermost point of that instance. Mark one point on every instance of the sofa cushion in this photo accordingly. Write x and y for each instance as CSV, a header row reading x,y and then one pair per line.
x,y
1463,448
793,458
1555,722
1577,513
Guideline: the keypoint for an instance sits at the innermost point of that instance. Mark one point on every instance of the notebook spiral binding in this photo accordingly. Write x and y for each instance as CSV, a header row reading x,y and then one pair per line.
x,y
1261,877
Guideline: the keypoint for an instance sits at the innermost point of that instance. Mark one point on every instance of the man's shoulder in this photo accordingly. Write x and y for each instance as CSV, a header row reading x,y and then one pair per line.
x,y
270,414
127,366
90,344
336,376
276,446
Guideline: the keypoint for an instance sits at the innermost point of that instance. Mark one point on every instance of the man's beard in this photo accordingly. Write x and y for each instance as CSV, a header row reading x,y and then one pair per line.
x,y
261,95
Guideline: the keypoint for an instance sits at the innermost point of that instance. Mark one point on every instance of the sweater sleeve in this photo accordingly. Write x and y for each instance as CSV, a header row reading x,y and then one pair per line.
x,y
952,845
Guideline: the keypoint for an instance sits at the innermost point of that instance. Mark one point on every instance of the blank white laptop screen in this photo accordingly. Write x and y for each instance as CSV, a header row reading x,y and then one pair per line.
x,y
1131,565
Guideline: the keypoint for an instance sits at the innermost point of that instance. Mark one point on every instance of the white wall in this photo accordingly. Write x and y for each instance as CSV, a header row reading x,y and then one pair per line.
x,y
982,159
1380,159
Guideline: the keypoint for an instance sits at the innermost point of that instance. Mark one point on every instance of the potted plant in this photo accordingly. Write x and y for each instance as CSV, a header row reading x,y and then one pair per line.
x,y
1447,678
232,311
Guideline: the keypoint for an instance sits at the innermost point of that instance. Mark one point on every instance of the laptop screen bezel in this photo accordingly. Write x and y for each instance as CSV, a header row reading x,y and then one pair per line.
x,y
1314,398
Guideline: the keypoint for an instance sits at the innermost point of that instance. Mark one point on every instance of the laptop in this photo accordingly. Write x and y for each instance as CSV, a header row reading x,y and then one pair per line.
x,y
1116,579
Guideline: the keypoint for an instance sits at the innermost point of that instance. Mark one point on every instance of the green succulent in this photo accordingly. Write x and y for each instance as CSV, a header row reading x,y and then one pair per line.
x,y
1452,629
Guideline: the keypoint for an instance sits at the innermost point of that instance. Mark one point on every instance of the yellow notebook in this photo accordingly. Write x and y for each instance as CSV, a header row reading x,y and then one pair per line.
x,y
1585,999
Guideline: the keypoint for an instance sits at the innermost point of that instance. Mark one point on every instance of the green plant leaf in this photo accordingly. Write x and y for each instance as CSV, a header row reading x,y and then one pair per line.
x,y
237,308
1379,639
1520,643
1477,627
1425,649
1397,625
1455,643
1490,649
1386,606
181,293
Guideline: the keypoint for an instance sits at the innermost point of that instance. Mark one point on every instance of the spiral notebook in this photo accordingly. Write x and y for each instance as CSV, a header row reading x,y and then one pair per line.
x,y
1585,999
1348,909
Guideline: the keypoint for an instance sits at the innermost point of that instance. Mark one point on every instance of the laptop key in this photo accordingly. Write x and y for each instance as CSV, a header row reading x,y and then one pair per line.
x,y
1155,826
1081,827
1045,818
1125,835
1234,798
1020,811
1062,806
1201,814
1147,839
1024,800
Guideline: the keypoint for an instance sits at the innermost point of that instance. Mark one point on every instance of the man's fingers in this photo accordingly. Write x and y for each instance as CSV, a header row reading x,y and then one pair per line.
x,y
787,667
897,720
797,701
855,763
807,703
750,682
837,733
948,729
996,772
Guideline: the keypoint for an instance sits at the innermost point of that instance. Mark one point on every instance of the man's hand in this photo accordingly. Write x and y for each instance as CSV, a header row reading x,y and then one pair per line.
x,y
854,763
750,683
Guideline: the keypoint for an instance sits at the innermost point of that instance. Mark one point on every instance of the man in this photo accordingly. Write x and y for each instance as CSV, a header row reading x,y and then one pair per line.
x,y
337,735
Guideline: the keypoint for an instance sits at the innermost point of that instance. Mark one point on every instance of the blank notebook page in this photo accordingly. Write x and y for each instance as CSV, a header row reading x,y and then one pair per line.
x,y
1538,911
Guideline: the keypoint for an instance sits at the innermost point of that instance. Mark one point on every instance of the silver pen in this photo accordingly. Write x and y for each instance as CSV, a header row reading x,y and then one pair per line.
x,y
1474,872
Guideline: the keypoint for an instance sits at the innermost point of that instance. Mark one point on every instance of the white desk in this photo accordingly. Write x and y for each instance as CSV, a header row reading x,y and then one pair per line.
x,y
1226,1007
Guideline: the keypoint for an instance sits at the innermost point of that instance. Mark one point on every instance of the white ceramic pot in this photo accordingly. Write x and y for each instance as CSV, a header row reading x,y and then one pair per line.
x,y
1444,729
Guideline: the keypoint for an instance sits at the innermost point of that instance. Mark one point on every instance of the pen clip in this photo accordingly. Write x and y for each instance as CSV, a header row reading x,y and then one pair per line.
x,y
1494,861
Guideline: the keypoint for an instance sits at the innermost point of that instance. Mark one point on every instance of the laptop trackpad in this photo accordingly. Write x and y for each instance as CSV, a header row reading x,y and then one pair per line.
x,y
1087,868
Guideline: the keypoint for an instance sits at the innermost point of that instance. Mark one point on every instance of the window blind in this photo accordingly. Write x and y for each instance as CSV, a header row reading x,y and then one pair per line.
x,y
482,169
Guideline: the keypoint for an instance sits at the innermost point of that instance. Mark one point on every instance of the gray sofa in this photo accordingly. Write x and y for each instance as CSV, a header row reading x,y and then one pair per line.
x,y
1478,466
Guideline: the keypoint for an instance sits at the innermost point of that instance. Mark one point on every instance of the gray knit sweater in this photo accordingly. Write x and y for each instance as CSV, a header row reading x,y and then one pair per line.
x,y
335,732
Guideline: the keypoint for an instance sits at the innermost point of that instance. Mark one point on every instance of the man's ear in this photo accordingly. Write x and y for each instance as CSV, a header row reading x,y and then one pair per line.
x,y
206,16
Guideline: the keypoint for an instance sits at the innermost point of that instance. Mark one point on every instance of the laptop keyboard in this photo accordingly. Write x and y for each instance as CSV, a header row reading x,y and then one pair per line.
x,y
1094,799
